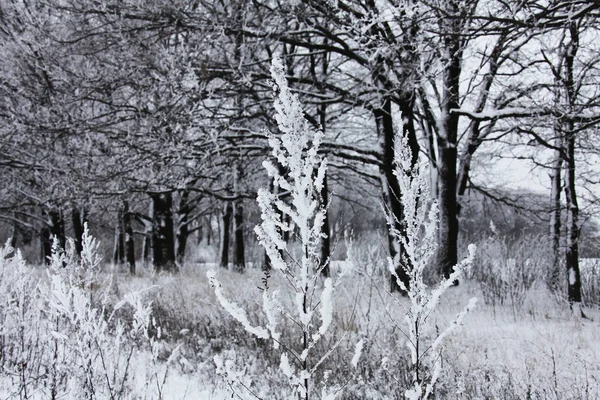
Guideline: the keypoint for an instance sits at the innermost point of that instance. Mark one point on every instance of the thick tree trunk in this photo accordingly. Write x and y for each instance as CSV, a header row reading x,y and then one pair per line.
x,y
448,221
225,234
129,241
163,241
239,259
447,146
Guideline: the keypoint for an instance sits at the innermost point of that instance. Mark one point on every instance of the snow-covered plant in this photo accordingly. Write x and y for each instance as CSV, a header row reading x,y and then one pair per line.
x,y
419,242
80,269
296,152
21,360
56,341
95,346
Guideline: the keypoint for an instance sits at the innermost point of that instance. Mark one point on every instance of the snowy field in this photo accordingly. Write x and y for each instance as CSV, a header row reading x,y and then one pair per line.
x,y
539,351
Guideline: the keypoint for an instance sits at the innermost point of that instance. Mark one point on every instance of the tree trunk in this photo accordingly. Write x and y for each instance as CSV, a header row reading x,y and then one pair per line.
x,y
119,246
79,219
448,221
52,230
13,235
129,241
573,231
324,195
555,222
147,244
447,146
239,259
57,227
209,220
199,232
325,231
45,242
163,243
225,235
183,226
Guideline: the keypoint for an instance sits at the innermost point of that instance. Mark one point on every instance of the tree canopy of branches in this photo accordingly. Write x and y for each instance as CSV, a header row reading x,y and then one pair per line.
x,y
156,112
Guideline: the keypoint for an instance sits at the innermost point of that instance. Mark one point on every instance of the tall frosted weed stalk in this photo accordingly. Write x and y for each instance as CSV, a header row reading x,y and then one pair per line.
x,y
419,242
296,152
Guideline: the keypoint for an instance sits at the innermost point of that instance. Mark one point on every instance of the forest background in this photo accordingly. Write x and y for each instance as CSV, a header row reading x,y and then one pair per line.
x,y
149,122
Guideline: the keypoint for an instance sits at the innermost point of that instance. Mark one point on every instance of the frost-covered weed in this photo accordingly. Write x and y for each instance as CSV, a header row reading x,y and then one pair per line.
x,y
60,335
419,241
508,270
296,151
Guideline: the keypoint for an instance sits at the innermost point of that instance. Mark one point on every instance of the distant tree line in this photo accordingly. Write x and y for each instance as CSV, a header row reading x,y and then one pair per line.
x,y
156,112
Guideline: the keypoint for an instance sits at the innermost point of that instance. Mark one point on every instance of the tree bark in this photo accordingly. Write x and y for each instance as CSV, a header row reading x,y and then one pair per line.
x,y
45,243
163,243
183,226
209,229
325,250
239,259
119,245
53,229
573,230
129,241
555,221
225,235
325,231
447,145
57,227
147,244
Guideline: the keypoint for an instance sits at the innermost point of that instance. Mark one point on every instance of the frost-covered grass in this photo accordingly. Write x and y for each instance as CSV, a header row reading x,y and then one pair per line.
x,y
542,350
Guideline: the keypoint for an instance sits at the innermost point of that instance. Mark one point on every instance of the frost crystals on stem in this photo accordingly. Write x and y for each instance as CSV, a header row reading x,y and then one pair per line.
x,y
420,243
296,153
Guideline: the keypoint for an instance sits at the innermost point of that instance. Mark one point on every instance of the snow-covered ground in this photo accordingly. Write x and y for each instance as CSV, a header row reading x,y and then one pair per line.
x,y
541,349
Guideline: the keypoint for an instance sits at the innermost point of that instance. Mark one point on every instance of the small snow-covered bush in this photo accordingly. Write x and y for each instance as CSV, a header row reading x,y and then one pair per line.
x,y
308,302
60,336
